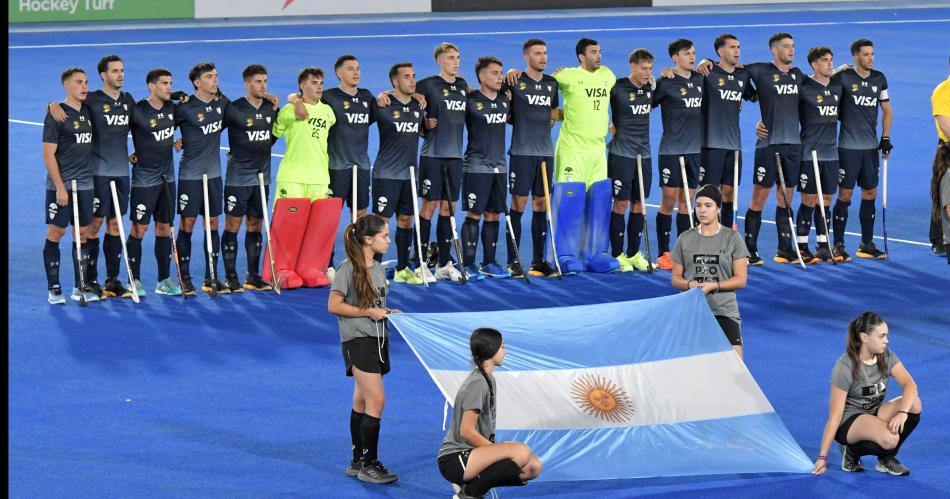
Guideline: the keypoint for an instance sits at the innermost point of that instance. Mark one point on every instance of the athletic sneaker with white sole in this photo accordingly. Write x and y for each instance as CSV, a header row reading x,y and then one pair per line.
x,y
90,296
425,274
56,296
491,269
638,262
472,273
624,266
448,272
407,276
167,287
890,465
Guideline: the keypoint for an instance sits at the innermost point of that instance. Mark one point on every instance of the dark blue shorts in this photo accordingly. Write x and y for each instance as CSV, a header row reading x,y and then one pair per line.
x,y
718,167
670,174
524,175
62,216
623,172
431,178
484,192
102,201
765,167
191,197
150,202
392,196
829,177
341,186
861,166
244,200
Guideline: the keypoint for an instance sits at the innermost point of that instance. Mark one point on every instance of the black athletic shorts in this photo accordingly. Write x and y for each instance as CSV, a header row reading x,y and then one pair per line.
x,y
623,171
731,329
341,186
452,466
364,354
719,167
765,166
524,175
484,192
841,435
431,178
829,177
150,202
671,173
240,200
62,216
392,196
191,197
860,166
102,202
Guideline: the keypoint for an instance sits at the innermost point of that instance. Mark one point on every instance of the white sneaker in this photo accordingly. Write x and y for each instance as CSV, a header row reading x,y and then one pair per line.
x,y
448,272
425,274
331,273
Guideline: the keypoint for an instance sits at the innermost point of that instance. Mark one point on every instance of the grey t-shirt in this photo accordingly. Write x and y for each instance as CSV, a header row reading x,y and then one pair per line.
x,y
360,327
866,391
472,395
944,201
710,259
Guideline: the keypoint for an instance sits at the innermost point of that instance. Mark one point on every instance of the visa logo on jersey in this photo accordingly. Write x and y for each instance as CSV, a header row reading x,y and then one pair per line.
x,y
693,102
863,100
596,92
117,119
258,135
496,118
640,109
730,95
828,110
358,119
786,89
539,100
163,134
211,128
83,138
404,127
455,105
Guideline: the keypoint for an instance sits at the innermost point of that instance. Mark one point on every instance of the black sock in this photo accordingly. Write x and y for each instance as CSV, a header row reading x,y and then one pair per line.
x,y
87,257
163,255
489,240
634,233
515,218
83,259
425,228
229,252
682,223
664,224
504,473
369,433
803,223
212,263
183,242
93,248
356,439
112,250
866,215
539,231
134,246
820,221
753,222
726,214
252,246
840,221
912,421
469,241
867,447
51,263
443,233
403,242
783,228
616,233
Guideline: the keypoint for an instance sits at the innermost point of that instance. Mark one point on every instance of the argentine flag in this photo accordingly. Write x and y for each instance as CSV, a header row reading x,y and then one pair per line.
x,y
617,390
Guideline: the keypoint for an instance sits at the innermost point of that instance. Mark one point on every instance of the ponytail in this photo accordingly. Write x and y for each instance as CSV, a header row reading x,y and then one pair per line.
x,y
940,168
864,323
484,344
353,241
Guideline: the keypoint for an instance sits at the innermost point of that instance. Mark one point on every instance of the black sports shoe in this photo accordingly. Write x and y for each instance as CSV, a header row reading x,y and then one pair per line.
x,y
115,289
807,255
754,258
375,472
786,256
432,255
870,251
256,283
938,249
462,493
840,254
890,464
187,287
97,289
354,468
850,462
516,271
222,289
542,269
233,284
823,253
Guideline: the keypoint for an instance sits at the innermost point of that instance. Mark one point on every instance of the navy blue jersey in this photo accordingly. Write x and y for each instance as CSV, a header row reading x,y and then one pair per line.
x,y
680,100
249,140
348,142
201,125
485,121
630,108
73,139
110,138
722,101
399,133
446,102
530,115
778,101
858,111
153,136
818,112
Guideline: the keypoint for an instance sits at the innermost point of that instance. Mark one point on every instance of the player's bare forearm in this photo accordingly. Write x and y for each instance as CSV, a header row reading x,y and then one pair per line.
x,y
52,166
887,117
944,123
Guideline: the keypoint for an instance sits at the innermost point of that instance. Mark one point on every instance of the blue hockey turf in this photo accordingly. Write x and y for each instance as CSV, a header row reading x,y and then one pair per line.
x,y
244,396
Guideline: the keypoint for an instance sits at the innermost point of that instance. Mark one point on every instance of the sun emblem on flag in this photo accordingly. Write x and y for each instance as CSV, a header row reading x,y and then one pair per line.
x,y
682,91
775,77
346,104
599,397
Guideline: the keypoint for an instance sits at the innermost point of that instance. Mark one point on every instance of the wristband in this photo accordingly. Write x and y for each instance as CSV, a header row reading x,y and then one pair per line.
x,y
688,283
717,287
905,412
823,458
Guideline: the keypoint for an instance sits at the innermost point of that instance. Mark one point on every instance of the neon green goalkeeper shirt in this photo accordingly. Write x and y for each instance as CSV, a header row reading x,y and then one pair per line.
x,y
306,160
586,108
